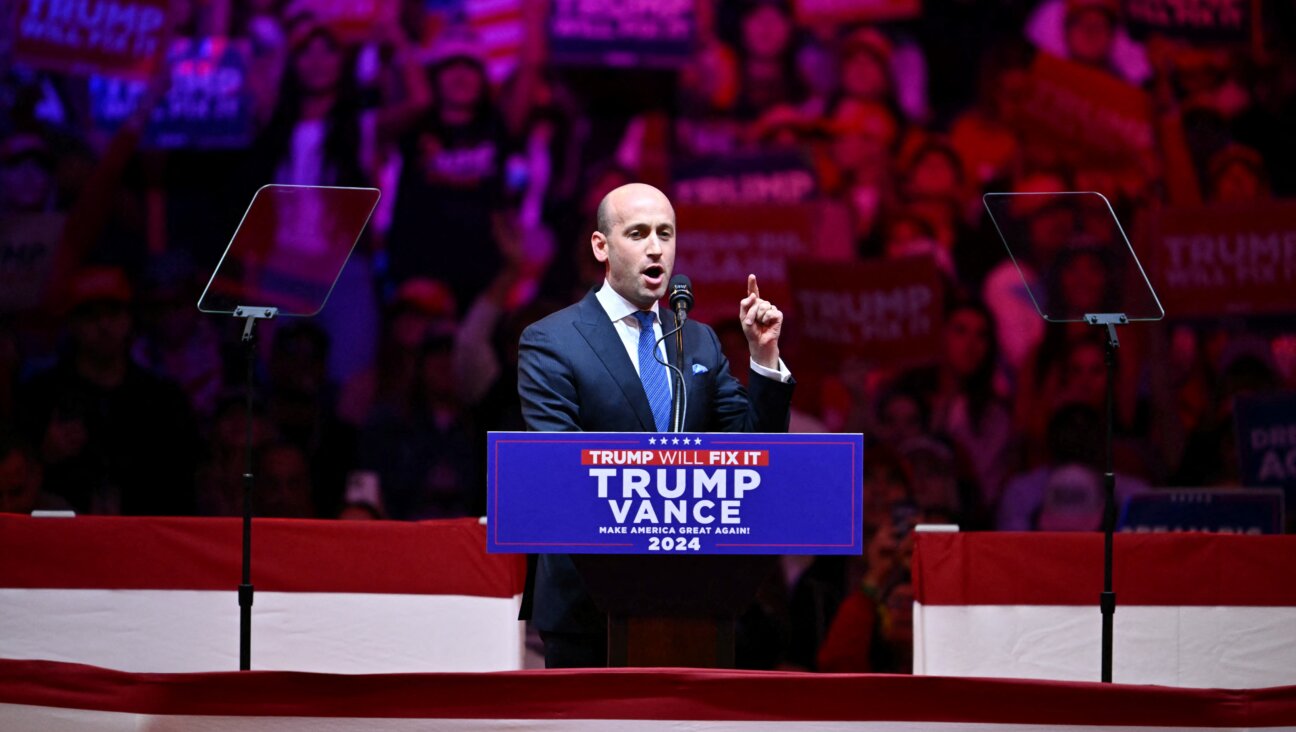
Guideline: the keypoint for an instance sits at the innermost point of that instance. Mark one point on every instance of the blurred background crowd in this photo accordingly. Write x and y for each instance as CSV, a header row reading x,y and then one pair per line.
x,y
493,143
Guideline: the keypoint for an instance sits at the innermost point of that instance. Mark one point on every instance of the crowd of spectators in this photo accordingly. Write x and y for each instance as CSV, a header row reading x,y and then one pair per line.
x,y
118,397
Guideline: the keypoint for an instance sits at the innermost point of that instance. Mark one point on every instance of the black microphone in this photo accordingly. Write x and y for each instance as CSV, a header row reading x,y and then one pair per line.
x,y
681,299
681,296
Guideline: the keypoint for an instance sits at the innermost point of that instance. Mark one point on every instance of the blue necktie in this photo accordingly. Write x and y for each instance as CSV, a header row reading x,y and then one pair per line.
x,y
652,373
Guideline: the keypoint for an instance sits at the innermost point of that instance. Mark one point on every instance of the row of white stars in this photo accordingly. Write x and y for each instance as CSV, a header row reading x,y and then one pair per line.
x,y
674,440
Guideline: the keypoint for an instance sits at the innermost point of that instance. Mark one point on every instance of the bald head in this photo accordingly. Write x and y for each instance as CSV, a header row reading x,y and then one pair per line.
x,y
611,208
635,242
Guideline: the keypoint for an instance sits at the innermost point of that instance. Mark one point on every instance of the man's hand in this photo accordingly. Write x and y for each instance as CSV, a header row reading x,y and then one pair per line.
x,y
761,323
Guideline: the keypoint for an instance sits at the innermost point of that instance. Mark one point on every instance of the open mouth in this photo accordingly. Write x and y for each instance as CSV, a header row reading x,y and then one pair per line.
x,y
654,274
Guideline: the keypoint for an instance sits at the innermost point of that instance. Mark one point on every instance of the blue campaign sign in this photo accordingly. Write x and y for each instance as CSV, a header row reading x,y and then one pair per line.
x,y
779,176
1235,511
207,104
1266,439
643,493
609,33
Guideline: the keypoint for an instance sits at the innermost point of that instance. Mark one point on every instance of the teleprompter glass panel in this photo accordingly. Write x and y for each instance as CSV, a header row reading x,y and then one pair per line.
x,y
289,249
1073,255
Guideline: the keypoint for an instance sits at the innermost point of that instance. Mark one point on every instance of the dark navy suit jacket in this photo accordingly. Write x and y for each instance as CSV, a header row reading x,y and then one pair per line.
x,y
574,375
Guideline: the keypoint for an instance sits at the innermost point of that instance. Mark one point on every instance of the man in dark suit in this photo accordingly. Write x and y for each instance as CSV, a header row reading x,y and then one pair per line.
x,y
591,367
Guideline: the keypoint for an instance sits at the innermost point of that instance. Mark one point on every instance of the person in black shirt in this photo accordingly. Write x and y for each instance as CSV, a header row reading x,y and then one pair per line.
x,y
113,437
451,184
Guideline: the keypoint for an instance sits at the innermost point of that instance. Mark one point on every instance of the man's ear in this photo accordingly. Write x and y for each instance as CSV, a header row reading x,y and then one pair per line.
x,y
599,244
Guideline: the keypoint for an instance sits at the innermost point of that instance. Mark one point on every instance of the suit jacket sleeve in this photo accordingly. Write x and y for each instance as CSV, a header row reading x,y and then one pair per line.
x,y
764,407
546,384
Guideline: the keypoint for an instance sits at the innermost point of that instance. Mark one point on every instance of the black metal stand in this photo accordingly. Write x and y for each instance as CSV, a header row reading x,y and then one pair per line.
x,y
1107,600
245,589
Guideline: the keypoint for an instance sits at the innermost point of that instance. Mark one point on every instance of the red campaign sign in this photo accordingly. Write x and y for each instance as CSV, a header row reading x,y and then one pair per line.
x,y
867,11
352,20
883,311
116,38
1084,111
720,245
1226,260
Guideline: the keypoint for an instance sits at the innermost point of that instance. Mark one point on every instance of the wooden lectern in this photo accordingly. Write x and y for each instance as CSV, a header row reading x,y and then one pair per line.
x,y
672,610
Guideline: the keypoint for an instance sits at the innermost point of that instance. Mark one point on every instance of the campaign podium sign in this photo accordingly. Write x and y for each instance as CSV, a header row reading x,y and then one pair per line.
x,y
675,493
1266,440
1227,511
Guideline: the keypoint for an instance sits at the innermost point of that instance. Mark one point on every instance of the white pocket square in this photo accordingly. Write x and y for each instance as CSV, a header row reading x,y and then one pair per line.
x,y
699,368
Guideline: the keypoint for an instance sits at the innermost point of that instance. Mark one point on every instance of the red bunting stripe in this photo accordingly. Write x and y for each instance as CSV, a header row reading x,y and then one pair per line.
x,y
647,694
1009,568
93,552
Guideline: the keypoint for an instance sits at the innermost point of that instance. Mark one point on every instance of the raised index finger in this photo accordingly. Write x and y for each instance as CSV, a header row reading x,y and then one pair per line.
x,y
752,288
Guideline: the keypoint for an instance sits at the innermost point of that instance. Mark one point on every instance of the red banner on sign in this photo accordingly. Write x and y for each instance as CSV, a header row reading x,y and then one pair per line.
x,y
1226,260
883,311
352,20
118,38
720,245
1084,111
865,11
680,458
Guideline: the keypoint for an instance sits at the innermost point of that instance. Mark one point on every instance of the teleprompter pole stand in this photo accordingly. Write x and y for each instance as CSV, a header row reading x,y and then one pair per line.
x,y
250,315
1107,600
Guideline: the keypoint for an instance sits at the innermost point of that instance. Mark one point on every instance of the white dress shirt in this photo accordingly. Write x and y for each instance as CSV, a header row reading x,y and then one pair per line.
x,y
622,311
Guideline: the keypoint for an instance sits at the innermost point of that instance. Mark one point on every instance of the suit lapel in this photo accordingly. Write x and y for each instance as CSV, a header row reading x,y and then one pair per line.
x,y
602,337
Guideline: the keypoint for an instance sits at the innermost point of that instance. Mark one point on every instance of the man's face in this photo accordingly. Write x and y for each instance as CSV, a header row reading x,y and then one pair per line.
x,y
102,329
319,65
25,182
1089,35
284,485
459,83
967,341
639,252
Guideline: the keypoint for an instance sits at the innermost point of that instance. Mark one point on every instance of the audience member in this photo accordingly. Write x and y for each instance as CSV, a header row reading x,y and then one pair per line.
x,y
959,394
452,180
21,478
1074,441
175,340
220,473
420,451
422,307
283,483
301,405
113,437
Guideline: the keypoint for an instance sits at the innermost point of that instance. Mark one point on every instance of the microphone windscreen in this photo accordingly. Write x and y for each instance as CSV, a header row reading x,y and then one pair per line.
x,y
681,292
